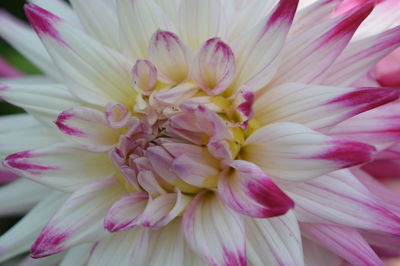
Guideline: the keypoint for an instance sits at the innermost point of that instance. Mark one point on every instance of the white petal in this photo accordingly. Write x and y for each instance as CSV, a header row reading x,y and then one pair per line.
x,y
59,8
257,52
339,198
19,238
315,255
214,232
80,219
170,55
274,241
93,72
20,196
294,152
143,247
21,132
139,20
62,166
199,20
24,39
308,54
318,107
343,241
379,127
115,248
77,256
88,127
213,67
360,56
44,102
99,20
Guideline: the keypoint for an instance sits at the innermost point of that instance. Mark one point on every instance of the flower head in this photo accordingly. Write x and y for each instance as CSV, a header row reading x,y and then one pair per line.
x,y
189,132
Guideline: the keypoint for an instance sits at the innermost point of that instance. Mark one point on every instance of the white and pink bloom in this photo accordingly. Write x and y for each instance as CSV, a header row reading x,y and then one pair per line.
x,y
193,132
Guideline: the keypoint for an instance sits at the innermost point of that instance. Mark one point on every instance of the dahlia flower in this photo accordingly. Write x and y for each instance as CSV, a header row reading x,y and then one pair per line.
x,y
192,132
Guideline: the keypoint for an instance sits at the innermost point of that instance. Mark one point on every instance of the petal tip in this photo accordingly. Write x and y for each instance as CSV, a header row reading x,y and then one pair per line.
x,y
42,21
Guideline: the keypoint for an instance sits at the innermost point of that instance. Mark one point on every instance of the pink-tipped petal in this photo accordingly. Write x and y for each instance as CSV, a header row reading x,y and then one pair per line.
x,y
214,232
255,67
379,127
314,50
318,107
18,239
89,127
80,219
361,56
170,56
213,67
44,102
250,191
294,152
340,199
64,166
97,75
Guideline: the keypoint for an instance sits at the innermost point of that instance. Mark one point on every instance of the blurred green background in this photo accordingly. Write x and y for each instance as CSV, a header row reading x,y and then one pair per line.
x,y
11,55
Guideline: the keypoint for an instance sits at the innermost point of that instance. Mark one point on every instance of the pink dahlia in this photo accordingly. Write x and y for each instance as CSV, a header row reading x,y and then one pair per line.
x,y
192,132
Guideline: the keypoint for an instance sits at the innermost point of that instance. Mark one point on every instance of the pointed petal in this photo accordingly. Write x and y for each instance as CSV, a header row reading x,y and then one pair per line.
x,y
361,56
88,127
255,66
199,20
214,232
25,41
340,199
316,13
11,200
80,219
318,107
343,241
294,152
139,20
250,191
213,67
62,166
171,57
97,75
313,51
275,241
379,127
19,238
59,8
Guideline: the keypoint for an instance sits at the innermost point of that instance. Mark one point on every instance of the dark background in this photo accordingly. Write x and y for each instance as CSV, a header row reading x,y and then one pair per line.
x,y
11,55
19,62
